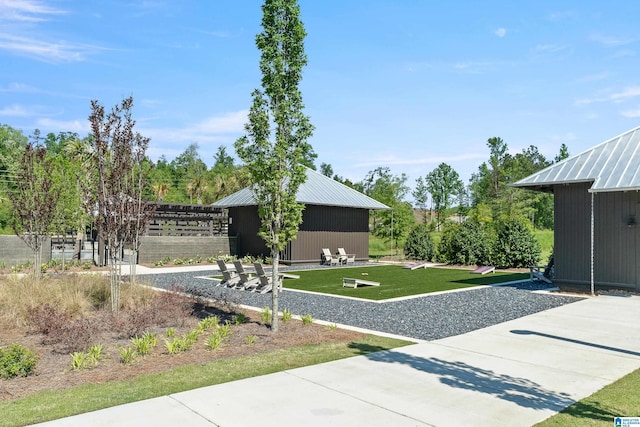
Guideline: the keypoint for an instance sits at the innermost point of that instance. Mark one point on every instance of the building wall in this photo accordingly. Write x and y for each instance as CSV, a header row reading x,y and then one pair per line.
x,y
14,251
322,227
155,248
616,244
331,227
244,224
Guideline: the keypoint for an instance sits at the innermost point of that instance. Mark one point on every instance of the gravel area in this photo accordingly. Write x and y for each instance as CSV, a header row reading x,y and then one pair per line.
x,y
428,318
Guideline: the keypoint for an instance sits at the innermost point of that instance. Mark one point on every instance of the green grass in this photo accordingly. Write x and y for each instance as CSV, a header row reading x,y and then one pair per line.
x,y
395,281
52,405
619,399
545,238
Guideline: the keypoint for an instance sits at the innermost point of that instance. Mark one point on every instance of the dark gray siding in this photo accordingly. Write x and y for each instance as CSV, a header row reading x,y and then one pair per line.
x,y
244,223
155,248
322,227
616,243
572,225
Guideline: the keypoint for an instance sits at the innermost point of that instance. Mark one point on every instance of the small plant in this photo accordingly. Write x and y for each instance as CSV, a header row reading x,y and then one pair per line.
x,y
191,337
175,345
211,260
224,330
159,263
166,259
171,332
95,353
87,265
332,327
214,340
127,355
286,315
250,339
190,261
3,265
208,323
79,360
240,318
144,344
307,319
265,315
198,259
178,261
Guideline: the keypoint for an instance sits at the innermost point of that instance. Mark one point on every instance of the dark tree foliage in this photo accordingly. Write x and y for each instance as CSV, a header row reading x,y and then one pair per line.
x,y
515,245
419,244
34,201
469,243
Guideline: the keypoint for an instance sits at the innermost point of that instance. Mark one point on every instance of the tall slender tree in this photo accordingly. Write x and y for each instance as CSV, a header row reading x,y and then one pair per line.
x,y
275,146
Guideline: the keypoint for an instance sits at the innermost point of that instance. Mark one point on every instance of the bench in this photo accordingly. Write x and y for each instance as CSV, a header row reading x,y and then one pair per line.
x,y
353,283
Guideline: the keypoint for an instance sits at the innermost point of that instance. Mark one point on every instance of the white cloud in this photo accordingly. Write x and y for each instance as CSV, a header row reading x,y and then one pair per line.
x,y
500,32
394,160
632,114
630,92
26,11
610,41
228,123
616,97
550,48
14,111
46,51
49,125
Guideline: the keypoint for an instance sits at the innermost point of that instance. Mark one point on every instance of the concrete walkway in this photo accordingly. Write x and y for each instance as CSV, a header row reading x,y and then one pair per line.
x,y
515,373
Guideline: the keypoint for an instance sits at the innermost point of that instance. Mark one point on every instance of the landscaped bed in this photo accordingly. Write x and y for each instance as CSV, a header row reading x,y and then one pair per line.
x,y
394,280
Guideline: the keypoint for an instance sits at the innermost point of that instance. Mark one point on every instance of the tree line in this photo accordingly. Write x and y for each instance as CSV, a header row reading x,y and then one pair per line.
x,y
440,196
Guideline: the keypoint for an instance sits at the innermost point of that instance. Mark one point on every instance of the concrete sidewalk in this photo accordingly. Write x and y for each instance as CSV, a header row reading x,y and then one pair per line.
x,y
515,373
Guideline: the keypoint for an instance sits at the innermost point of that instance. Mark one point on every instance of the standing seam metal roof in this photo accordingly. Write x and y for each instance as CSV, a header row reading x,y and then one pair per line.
x,y
612,166
316,190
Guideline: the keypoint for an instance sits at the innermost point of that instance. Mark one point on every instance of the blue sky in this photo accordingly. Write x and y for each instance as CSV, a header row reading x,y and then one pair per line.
x,y
397,83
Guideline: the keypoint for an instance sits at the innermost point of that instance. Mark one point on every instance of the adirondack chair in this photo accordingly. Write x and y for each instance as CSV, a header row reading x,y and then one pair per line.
x,y
245,281
327,258
345,258
229,278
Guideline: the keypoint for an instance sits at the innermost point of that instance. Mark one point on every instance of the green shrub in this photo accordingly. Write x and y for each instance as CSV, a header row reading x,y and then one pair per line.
x,y
286,315
16,361
307,319
419,244
265,315
467,243
515,245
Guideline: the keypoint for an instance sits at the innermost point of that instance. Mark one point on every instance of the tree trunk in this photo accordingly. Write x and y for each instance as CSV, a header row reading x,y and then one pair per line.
x,y
275,281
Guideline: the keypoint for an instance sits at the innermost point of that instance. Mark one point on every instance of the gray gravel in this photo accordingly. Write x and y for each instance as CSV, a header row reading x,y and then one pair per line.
x,y
428,318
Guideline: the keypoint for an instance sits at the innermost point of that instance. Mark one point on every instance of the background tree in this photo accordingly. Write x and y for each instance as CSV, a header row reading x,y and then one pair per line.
x,y
421,197
34,201
275,156
380,184
118,153
12,145
444,184
326,169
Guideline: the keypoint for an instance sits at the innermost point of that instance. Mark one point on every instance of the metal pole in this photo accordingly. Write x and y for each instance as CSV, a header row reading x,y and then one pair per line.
x,y
593,288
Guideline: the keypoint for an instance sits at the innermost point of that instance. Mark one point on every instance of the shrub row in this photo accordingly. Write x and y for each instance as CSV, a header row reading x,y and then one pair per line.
x,y
503,244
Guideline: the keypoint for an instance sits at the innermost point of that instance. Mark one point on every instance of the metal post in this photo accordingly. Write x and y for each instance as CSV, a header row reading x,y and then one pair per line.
x,y
593,288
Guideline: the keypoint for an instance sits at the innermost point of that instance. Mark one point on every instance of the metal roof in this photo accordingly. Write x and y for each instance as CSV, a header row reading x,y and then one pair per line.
x,y
316,190
613,165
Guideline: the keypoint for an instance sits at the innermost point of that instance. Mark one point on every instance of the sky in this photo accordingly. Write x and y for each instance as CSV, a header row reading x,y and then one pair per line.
x,y
404,84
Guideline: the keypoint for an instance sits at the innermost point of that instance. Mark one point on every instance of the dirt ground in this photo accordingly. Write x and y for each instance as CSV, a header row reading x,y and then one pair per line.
x,y
54,370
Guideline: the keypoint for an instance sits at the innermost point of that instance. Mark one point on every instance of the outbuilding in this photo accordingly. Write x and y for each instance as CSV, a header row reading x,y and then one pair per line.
x,y
597,213
335,216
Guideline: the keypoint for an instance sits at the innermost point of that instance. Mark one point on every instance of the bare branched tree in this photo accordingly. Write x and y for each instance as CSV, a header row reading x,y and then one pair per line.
x,y
122,215
34,201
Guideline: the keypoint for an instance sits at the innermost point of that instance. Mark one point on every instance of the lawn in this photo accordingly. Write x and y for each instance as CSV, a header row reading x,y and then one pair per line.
x,y
619,399
394,280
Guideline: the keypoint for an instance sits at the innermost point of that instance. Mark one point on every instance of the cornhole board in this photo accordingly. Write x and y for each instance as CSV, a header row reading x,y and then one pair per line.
x,y
484,269
415,265
348,282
